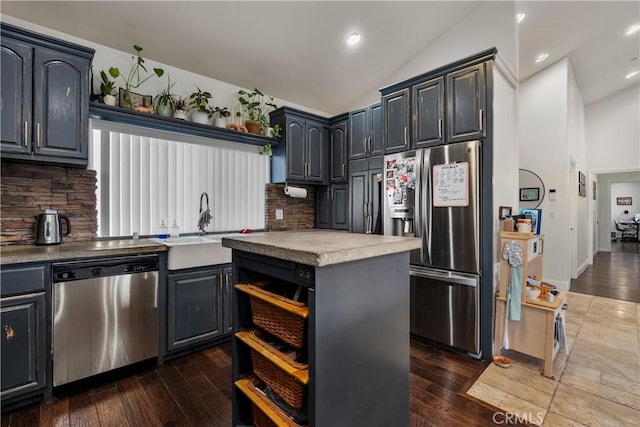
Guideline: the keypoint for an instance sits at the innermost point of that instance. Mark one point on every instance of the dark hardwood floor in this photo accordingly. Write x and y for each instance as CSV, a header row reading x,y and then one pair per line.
x,y
195,390
614,274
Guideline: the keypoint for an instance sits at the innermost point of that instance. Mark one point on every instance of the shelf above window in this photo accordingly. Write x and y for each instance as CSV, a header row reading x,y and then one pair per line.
x,y
120,115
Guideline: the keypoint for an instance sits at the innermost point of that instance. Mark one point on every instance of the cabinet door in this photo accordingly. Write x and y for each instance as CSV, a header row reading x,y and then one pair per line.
x,y
23,344
466,99
340,207
396,119
323,207
226,301
428,108
357,199
377,138
317,151
374,191
338,149
15,104
358,134
296,158
61,105
194,314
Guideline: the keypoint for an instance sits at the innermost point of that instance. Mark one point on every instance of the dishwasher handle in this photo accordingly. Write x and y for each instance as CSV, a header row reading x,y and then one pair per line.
x,y
446,276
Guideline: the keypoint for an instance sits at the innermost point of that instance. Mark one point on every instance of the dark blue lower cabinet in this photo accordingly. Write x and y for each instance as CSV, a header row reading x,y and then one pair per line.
x,y
199,307
23,344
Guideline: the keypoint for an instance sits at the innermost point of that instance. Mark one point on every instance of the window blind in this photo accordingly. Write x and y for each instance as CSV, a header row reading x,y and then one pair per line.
x,y
147,176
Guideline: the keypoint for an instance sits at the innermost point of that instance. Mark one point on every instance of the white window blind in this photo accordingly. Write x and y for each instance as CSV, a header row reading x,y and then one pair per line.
x,y
145,176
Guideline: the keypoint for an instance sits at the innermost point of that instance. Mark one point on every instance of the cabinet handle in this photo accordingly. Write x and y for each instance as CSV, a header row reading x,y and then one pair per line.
x,y
333,194
344,171
406,140
370,144
9,333
26,133
365,210
306,169
481,118
440,122
366,144
38,134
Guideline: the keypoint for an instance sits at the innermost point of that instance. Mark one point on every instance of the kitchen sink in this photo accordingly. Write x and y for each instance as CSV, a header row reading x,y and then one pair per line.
x,y
195,251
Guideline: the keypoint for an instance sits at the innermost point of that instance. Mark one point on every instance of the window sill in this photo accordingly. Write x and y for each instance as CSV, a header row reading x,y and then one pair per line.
x,y
120,115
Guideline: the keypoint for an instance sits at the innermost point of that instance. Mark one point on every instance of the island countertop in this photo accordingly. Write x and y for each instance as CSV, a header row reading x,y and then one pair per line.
x,y
320,248
70,250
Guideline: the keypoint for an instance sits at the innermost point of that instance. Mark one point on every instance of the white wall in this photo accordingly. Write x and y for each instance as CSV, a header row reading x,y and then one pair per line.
x,y
469,36
542,133
613,132
624,189
224,94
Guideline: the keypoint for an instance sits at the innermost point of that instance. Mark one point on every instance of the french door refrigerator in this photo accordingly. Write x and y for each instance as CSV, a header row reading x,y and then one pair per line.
x,y
442,208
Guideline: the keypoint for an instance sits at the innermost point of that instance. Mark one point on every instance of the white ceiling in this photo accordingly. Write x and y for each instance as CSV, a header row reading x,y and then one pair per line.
x,y
296,50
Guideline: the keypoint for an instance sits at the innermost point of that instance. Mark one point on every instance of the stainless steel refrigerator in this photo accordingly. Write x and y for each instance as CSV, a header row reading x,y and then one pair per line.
x,y
434,194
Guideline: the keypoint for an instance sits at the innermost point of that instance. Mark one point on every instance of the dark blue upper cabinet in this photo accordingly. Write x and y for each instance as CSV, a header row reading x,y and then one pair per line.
x,y
365,132
396,113
428,109
62,114
466,104
303,156
45,98
338,151
17,68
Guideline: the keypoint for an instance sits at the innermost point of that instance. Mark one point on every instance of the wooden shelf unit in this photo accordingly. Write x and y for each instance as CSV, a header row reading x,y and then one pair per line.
x,y
534,333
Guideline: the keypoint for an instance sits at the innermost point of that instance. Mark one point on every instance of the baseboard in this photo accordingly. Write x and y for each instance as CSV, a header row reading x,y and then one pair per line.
x,y
583,267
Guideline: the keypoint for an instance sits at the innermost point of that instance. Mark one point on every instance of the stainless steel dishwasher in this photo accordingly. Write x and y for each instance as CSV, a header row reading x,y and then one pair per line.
x,y
105,315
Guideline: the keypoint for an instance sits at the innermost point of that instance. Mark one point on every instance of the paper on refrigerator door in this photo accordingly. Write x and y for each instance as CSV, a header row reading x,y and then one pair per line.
x,y
451,185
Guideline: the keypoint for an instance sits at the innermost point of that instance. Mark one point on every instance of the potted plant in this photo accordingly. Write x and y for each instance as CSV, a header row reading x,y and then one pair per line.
x,y
106,88
222,114
180,108
133,79
199,101
165,101
256,106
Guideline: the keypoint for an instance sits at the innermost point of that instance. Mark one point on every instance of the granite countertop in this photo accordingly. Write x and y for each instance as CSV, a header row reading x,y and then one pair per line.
x,y
71,250
320,248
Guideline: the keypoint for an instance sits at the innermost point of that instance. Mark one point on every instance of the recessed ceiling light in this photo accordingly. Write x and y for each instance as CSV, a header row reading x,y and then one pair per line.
x,y
542,57
353,39
520,17
632,29
631,74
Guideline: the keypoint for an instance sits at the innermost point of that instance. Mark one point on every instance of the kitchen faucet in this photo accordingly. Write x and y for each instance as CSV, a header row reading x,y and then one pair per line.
x,y
205,215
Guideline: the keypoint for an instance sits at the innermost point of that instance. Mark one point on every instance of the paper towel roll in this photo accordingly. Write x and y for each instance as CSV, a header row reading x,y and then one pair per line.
x,y
295,192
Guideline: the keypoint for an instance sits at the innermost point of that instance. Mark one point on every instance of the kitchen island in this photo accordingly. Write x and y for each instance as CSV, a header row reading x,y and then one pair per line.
x,y
356,336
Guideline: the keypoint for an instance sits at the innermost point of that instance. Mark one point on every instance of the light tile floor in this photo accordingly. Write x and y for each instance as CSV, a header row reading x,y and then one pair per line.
x,y
597,384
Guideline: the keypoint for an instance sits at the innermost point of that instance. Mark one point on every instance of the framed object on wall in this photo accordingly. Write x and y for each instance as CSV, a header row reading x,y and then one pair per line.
x,y
581,178
529,194
504,211
582,190
623,201
594,190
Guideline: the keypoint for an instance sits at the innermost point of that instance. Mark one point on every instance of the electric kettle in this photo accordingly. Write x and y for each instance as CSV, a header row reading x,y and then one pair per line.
x,y
49,226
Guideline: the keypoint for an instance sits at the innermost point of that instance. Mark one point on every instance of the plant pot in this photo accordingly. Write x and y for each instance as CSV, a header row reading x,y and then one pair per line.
x,y
252,126
164,110
220,122
200,117
109,100
180,114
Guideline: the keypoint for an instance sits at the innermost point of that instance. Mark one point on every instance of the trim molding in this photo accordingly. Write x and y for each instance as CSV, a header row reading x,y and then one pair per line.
x,y
506,71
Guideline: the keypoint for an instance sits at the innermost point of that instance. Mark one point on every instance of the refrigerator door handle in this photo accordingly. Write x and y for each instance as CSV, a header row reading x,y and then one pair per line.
x,y
425,203
449,277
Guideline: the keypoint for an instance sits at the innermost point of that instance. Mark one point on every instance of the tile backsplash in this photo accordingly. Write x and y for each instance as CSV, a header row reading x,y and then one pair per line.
x,y
297,213
27,190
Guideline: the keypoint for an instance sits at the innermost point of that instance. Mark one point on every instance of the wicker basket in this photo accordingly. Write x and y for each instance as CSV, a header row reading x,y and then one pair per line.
x,y
276,314
264,412
286,377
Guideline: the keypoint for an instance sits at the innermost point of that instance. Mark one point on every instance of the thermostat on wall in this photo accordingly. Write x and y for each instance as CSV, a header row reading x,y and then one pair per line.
x,y
552,194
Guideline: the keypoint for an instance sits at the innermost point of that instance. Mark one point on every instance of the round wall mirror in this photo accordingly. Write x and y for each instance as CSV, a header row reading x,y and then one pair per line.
x,y
532,189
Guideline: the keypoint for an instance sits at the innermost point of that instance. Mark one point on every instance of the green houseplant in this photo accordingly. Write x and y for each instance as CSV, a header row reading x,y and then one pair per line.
x,y
165,101
133,80
199,102
180,108
106,88
220,116
256,107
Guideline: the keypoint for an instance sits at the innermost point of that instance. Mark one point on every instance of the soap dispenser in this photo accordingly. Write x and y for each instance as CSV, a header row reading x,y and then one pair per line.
x,y
174,230
163,231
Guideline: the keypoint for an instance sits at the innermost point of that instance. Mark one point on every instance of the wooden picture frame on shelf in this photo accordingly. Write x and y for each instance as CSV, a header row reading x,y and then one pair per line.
x,y
137,100
504,211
